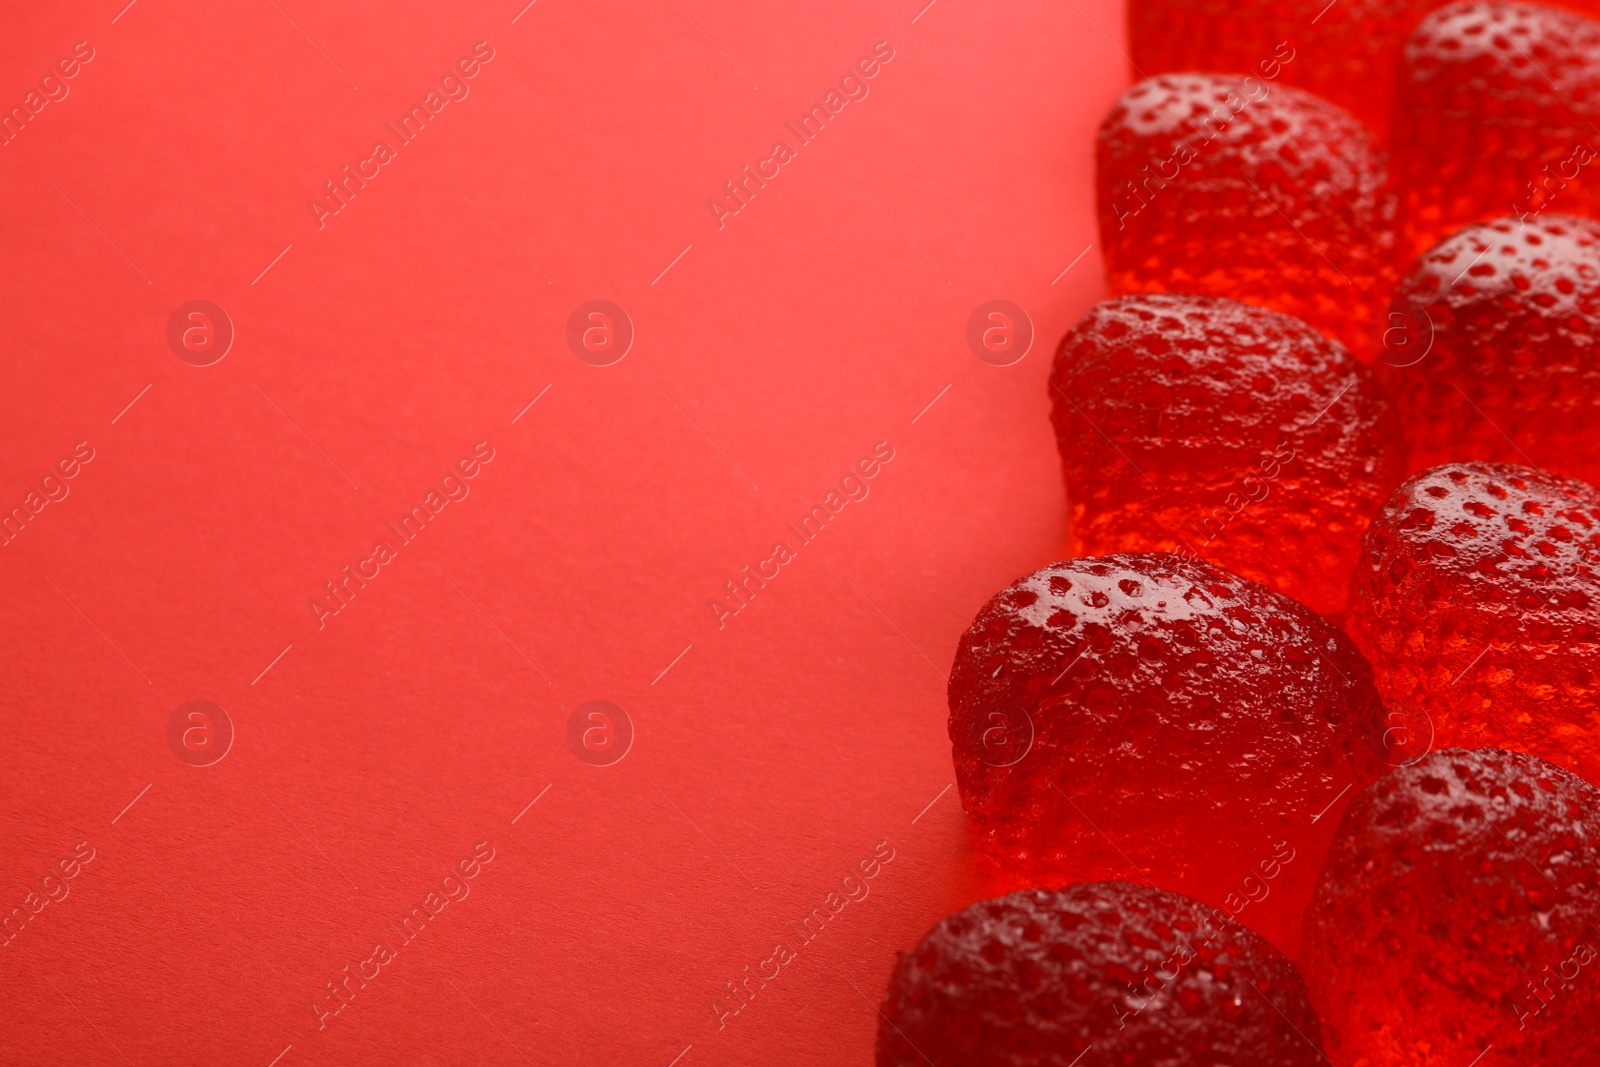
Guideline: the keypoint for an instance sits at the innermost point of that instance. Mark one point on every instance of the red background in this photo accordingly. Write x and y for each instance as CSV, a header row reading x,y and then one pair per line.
x,y
373,755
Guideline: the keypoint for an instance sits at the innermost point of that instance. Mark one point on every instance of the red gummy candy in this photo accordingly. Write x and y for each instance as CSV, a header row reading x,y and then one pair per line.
x,y
1346,52
1232,431
1036,978
1492,115
1266,194
1477,602
1455,913
1492,349
1347,57
1152,716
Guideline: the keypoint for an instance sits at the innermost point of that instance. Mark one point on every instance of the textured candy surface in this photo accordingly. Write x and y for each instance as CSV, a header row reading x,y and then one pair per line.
x,y
1345,52
1492,115
1478,603
1455,912
1211,184
1142,976
1348,56
1498,360
1149,716
1234,432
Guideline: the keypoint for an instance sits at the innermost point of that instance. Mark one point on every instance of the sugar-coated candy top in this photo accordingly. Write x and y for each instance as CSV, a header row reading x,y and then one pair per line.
x,y
1455,912
1218,688
1452,814
1520,57
1350,61
1237,432
1520,285
1510,551
1143,976
1236,186
1145,712
1215,377
1309,156
1509,311
1493,114
1346,52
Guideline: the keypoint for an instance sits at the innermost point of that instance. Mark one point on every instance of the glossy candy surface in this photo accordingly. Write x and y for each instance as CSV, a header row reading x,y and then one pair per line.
x,y
1492,352
1144,715
1347,55
1140,976
1216,185
1455,912
1492,115
1478,604
1346,52
1235,432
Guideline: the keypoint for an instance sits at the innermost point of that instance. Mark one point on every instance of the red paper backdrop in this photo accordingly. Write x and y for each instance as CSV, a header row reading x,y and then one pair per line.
x,y
771,354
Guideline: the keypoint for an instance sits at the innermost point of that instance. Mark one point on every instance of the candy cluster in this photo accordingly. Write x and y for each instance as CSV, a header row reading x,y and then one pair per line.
x,y
1294,755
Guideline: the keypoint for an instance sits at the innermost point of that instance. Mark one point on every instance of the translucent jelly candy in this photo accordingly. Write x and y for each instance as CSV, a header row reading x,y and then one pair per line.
x,y
1496,359
1346,52
1477,601
1492,114
1347,56
1036,978
1233,432
1211,184
1455,913
1149,716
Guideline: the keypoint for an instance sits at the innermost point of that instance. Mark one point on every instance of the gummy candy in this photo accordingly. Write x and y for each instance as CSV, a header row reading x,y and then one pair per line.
x,y
1230,431
1147,716
1211,184
1476,602
1491,353
1345,54
1492,115
1142,976
1454,914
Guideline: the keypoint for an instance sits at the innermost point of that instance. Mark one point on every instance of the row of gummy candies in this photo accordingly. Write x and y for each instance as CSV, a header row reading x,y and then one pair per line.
x,y
1169,710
